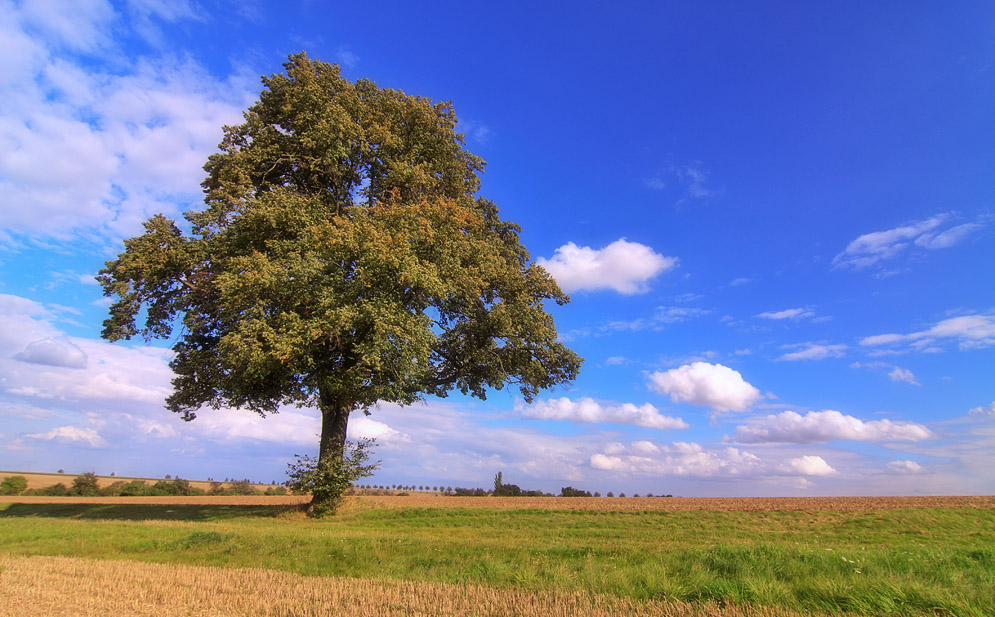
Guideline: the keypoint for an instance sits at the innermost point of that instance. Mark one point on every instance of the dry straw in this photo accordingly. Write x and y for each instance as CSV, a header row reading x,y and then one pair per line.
x,y
68,586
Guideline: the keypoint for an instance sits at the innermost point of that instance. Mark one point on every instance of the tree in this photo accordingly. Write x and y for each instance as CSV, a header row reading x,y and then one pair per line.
x,y
85,485
342,259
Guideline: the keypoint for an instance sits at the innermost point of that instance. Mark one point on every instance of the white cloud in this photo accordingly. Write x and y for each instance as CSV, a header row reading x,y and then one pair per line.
x,y
704,384
904,467
901,374
677,459
929,234
362,427
812,351
692,460
616,361
589,410
72,434
79,25
987,410
811,466
971,332
84,146
623,266
823,426
53,351
793,314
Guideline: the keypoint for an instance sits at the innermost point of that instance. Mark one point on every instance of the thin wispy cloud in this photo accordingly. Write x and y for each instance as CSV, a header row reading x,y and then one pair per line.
x,y
937,232
792,314
968,331
811,351
895,373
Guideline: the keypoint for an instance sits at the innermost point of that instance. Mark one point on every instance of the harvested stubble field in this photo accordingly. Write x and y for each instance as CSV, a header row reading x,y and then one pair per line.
x,y
47,586
433,555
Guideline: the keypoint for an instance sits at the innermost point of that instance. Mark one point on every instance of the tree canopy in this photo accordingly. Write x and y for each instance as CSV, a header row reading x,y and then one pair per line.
x,y
343,258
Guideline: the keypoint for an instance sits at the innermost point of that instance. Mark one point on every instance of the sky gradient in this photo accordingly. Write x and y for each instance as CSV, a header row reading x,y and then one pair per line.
x,y
776,224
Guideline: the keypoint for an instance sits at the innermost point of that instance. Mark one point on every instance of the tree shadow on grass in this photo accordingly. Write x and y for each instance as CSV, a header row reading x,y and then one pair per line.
x,y
143,512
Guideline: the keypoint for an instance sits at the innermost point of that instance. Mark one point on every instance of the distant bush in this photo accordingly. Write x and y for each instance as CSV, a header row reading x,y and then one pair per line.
x,y
113,489
468,492
241,487
569,491
135,488
54,490
276,490
13,485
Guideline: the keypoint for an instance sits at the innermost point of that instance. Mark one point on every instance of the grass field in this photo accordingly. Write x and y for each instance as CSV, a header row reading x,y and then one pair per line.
x,y
487,556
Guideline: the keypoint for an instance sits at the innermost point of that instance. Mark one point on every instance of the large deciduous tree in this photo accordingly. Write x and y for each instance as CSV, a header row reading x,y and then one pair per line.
x,y
342,259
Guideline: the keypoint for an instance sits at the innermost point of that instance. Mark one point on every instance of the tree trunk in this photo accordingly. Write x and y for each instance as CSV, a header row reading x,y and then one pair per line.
x,y
334,420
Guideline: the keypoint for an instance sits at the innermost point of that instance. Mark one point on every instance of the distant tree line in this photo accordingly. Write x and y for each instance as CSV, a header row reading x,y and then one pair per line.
x,y
87,485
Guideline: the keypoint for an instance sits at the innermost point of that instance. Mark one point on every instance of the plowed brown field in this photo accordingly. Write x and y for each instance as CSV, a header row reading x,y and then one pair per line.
x,y
725,504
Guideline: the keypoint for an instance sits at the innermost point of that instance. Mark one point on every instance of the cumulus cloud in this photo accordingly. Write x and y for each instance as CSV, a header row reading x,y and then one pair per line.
x,y
987,410
623,266
823,426
970,332
363,427
930,234
794,314
72,434
590,410
812,351
708,385
811,466
53,351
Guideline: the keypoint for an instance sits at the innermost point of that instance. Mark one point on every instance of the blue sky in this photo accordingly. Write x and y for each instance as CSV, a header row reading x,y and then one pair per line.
x,y
776,223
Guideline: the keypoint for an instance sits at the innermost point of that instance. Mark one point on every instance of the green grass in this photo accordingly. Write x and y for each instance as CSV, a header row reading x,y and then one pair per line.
x,y
890,562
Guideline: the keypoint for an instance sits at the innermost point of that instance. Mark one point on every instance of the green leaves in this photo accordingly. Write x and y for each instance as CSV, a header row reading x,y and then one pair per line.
x,y
342,256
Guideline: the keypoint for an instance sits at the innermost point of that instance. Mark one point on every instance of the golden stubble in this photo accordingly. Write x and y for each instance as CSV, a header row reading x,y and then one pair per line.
x,y
68,586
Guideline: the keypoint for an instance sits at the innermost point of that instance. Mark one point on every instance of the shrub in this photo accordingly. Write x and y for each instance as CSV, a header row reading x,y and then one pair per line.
x,y
135,488
54,490
113,490
469,492
241,487
328,480
13,485
276,490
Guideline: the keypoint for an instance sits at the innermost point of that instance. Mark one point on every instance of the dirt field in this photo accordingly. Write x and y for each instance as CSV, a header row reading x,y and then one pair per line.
x,y
45,586
725,504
